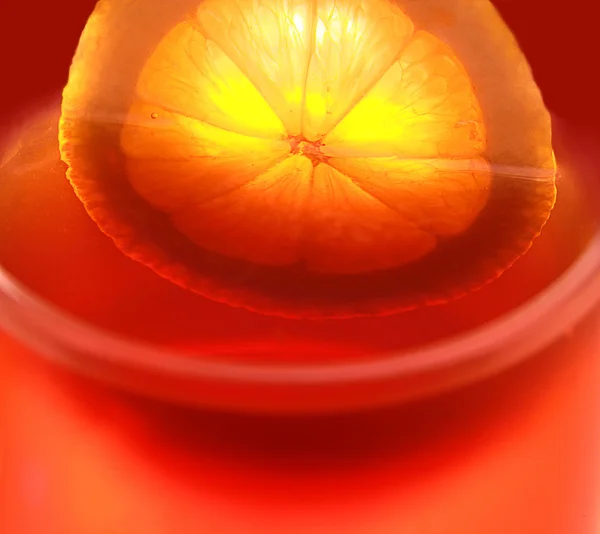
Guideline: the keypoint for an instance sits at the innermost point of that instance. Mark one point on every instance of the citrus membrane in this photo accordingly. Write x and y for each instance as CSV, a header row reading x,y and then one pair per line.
x,y
310,158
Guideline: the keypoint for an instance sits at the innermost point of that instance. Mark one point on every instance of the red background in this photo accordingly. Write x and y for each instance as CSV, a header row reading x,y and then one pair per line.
x,y
561,40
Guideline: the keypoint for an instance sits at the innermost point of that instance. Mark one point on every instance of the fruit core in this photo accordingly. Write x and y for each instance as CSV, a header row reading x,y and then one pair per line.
x,y
311,149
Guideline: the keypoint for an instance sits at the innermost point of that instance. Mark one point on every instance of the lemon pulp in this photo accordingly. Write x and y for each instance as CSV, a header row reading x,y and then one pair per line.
x,y
328,133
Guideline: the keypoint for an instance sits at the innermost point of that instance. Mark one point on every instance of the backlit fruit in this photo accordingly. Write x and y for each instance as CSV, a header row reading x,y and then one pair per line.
x,y
310,158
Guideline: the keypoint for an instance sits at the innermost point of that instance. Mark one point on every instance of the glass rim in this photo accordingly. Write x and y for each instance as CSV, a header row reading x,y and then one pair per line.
x,y
554,311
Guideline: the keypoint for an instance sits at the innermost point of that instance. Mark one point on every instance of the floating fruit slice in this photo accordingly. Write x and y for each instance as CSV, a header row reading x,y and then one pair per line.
x,y
310,157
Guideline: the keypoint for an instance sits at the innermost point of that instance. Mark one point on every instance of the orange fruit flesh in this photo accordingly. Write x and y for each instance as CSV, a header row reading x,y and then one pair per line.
x,y
311,157
328,133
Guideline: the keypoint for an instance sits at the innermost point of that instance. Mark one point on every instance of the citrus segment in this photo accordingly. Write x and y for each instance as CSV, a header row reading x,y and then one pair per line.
x,y
174,161
271,41
424,106
355,43
442,197
349,231
262,221
192,76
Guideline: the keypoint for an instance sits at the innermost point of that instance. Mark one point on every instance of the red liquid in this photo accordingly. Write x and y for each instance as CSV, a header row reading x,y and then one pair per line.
x,y
517,453
48,242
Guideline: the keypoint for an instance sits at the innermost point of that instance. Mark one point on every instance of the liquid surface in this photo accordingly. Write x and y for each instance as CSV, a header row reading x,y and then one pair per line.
x,y
48,242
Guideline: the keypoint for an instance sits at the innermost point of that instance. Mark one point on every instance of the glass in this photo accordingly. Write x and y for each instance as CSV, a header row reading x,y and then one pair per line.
x,y
512,451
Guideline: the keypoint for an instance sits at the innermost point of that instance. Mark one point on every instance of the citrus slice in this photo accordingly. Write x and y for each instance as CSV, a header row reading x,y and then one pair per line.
x,y
310,157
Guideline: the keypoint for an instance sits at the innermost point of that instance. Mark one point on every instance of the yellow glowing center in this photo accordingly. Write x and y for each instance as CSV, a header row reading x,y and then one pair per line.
x,y
326,132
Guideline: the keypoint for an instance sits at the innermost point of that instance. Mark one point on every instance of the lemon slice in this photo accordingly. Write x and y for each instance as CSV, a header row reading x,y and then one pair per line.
x,y
310,157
